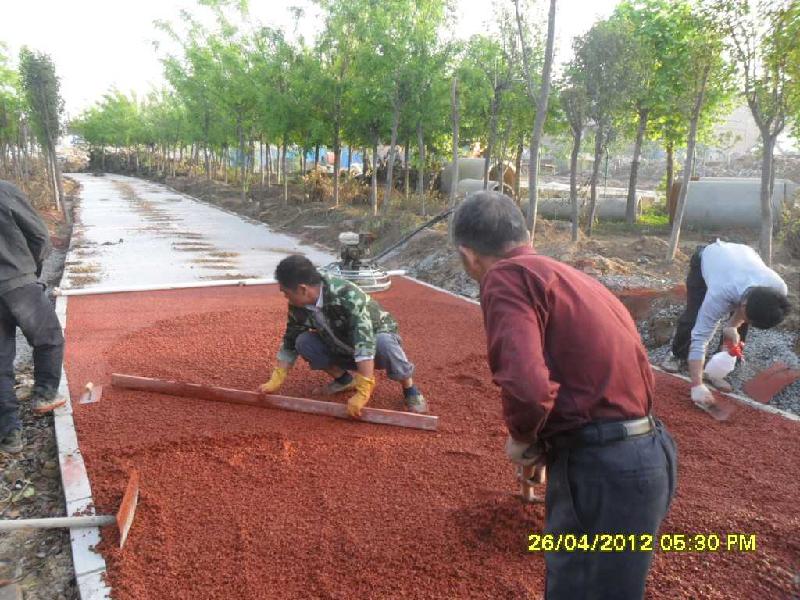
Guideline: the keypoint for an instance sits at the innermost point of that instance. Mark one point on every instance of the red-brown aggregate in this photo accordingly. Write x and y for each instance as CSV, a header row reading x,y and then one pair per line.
x,y
241,502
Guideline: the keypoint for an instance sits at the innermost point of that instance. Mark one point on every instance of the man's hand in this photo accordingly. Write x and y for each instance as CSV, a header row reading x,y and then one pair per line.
x,y
731,336
702,395
523,453
275,381
364,387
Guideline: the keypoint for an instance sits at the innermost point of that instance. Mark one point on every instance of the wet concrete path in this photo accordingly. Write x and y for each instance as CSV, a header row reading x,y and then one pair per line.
x,y
130,233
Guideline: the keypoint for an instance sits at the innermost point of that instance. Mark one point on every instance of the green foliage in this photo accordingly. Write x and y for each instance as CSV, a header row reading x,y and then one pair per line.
x,y
41,88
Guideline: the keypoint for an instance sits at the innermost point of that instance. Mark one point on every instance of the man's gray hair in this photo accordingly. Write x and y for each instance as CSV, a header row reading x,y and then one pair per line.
x,y
489,223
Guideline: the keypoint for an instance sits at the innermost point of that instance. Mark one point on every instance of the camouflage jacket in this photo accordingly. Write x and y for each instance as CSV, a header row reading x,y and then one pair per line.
x,y
347,322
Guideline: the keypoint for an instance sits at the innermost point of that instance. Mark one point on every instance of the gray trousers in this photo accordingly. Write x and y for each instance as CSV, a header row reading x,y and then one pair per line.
x,y
622,488
389,355
28,308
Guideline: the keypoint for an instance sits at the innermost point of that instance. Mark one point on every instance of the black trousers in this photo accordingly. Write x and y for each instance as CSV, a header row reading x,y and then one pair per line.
x,y
28,308
695,294
625,488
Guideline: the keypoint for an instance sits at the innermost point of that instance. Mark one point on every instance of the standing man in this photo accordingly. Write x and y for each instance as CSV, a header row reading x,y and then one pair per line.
x,y
725,281
338,328
577,391
24,244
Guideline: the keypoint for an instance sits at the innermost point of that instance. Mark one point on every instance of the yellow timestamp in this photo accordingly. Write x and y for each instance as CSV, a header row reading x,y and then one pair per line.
x,y
642,542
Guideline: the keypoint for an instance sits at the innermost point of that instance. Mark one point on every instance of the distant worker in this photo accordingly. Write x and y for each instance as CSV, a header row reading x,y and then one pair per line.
x,y
725,281
577,393
24,244
338,328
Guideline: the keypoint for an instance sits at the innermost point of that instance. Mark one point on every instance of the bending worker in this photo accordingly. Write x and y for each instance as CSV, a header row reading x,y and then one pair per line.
x,y
24,244
725,281
577,394
338,328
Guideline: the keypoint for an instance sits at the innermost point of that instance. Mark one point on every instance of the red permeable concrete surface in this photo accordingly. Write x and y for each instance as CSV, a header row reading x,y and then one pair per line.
x,y
243,502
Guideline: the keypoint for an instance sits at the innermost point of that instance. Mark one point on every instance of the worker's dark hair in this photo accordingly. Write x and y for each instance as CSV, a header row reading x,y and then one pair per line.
x,y
488,223
296,270
766,307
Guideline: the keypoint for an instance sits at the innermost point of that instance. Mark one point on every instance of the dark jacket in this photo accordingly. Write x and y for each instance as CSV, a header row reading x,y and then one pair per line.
x,y
24,239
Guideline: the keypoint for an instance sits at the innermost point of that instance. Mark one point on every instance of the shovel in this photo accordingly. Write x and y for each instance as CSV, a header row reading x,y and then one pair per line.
x,y
123,519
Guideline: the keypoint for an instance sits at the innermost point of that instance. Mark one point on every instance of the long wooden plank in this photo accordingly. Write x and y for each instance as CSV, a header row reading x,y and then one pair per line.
x,y
306,405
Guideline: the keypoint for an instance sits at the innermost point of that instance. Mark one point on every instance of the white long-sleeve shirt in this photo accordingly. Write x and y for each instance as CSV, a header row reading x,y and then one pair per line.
x,y
729,270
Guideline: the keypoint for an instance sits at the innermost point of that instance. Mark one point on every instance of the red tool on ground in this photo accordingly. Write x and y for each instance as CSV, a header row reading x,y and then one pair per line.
x,y
123,519
767,383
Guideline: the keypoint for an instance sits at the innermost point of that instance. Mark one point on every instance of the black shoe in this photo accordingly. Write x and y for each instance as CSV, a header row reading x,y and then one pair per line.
x,y
12,443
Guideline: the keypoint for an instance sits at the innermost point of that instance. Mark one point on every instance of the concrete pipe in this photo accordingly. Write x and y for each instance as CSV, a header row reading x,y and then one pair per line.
x,y
719,202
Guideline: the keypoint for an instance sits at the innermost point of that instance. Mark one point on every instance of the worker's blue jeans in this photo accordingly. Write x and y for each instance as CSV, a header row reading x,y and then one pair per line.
x,y
389,355
623,488
28,308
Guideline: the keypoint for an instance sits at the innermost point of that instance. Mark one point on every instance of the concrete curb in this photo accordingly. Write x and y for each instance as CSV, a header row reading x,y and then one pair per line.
x,y
89,565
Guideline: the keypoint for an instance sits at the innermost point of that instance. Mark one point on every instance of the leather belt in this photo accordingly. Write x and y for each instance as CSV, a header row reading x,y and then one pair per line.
x,y
599,434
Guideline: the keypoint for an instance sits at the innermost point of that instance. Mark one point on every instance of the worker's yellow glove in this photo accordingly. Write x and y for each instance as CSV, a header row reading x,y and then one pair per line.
x,y
275,381
364,387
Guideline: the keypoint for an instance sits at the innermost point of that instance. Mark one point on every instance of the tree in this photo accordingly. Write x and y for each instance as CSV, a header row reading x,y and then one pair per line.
x,y
41,87
574,102
540,100
701,76
602,55
761,37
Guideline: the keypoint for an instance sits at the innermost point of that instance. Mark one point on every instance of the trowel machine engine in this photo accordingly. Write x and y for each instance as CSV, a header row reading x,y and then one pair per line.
x,y
355,264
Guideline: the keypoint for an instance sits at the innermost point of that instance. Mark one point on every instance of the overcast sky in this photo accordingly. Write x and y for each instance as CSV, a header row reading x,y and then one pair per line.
x,y
99,44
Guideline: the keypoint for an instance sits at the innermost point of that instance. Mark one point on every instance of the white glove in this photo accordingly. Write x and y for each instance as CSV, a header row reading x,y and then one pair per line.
x,y
731,335
702,395
523,453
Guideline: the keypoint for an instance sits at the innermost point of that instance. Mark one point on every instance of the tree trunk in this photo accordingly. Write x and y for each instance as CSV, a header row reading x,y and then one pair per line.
x,y
285,176
670,169
573,180
243,160
677,221
407,176
492,139
269,164
765,238
598,154
538,124
421,167
374,179
517,167
261,159
630,209
455,113
337,160
349,159
316,157
387,198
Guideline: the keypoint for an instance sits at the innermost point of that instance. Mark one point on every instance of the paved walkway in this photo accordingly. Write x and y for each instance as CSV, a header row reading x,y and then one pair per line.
x,y
130,233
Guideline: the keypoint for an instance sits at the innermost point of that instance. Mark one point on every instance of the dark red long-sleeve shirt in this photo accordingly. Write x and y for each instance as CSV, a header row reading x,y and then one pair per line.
x,y
562,348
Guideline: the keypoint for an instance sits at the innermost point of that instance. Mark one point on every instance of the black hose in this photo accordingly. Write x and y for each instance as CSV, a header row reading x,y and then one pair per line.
x,y
441,216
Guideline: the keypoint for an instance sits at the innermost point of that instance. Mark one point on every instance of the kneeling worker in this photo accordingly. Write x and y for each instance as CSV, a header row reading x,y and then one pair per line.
x,y
338,328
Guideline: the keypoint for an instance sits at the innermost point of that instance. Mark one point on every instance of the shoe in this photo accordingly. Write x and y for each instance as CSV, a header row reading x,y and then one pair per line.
x,y
12,443
45,403
673,364
335,387
416,403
